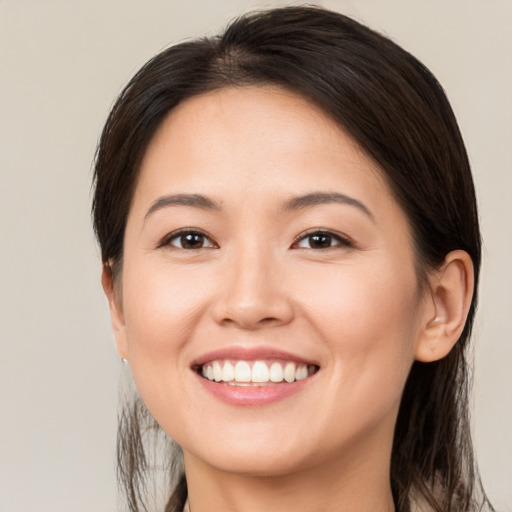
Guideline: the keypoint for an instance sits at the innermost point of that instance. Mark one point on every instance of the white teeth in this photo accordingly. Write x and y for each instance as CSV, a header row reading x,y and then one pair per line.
x,y
260,373
289,372
217,371
276,372
228,372
301,372
242,372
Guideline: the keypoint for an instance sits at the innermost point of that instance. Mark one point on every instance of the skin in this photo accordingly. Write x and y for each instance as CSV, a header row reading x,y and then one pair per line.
x,y
354,307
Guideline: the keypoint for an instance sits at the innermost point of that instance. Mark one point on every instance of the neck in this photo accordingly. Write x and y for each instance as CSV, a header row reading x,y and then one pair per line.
x,y
357,482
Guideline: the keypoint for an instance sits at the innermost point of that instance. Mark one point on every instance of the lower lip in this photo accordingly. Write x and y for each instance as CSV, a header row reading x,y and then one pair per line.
x,y
253,395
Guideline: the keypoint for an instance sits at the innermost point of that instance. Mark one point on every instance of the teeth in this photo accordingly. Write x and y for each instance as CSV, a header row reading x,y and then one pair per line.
x,y
242,372
301,372
289,372
260,373
217,371
228,372
276,372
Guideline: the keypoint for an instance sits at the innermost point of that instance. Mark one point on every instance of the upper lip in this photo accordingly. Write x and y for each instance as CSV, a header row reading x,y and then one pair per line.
x,y
241,353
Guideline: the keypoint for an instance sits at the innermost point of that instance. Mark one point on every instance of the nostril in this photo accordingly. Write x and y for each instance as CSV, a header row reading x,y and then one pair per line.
x,y
268,320
248,321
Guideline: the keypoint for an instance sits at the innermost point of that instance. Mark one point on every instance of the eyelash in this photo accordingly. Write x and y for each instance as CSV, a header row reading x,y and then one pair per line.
x,y
341,240
181,233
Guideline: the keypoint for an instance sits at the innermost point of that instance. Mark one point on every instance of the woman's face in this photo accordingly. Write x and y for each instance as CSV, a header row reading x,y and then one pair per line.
x,y
263,245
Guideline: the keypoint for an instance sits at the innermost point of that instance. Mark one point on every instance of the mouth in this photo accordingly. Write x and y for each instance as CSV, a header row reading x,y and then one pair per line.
x,y
255,373
254,376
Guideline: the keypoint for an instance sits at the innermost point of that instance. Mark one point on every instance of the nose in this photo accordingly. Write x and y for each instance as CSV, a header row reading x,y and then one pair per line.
x,y
252,292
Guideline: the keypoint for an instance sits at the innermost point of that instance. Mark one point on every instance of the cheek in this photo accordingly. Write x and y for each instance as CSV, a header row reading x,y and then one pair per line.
x,y
163,309
160,307
360,299
369,322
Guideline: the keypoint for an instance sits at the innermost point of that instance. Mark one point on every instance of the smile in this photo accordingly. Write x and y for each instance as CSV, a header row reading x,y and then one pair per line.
x,y
255,373
254,376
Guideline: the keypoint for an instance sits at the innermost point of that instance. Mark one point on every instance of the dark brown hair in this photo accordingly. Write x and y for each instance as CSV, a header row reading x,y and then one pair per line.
x,y
398,113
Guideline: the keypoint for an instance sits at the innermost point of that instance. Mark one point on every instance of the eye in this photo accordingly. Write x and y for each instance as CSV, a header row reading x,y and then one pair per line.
x,y
319,239
188,239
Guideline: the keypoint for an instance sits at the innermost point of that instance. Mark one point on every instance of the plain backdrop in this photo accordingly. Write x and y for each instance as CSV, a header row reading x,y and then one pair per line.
x,y
62,63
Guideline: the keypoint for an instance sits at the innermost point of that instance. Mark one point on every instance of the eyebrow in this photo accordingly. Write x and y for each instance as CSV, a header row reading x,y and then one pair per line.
x,y
319,198
195,200
293,204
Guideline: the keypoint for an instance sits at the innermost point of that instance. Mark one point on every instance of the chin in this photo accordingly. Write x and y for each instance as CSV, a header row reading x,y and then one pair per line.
x,y
256,452
253,464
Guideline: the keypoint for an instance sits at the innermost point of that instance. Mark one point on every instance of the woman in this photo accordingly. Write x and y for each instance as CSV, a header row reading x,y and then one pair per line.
x,y
291,255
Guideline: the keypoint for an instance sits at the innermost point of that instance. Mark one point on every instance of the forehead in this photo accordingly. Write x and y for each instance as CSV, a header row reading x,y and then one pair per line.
x,y
250,137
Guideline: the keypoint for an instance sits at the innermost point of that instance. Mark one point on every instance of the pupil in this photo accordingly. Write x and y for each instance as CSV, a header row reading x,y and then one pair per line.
x,y
191,240
320,240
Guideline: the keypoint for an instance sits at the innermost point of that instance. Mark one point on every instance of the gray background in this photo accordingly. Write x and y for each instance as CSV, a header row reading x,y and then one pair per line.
x,y
61,64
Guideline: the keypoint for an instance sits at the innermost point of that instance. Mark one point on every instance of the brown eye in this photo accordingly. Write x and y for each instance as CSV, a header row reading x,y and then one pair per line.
x,y
189,240
322,240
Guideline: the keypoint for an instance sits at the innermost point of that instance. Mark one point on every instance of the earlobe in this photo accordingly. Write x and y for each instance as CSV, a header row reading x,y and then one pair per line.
x,y
451,290
116,310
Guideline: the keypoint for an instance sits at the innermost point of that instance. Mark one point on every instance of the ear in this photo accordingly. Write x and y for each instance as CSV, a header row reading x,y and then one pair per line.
x,y
451,291
116,310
